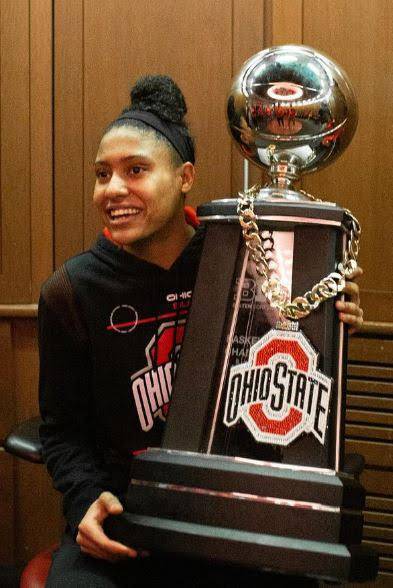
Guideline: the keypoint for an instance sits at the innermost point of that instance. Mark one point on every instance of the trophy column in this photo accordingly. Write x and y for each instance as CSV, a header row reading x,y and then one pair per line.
x,y
306,247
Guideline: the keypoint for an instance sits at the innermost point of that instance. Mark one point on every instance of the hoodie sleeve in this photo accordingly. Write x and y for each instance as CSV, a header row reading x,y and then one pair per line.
x,y
67,432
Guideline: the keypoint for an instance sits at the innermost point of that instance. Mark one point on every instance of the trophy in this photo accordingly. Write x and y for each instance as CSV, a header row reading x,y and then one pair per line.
x,y
251,467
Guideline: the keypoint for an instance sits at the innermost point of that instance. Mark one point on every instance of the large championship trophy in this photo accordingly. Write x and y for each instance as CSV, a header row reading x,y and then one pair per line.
x,y
250,471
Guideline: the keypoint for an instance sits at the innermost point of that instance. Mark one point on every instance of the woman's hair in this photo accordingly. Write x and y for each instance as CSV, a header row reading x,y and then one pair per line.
x,y
160,96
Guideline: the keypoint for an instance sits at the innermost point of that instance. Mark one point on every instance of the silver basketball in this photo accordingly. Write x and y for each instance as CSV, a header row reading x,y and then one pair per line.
x,y
294,106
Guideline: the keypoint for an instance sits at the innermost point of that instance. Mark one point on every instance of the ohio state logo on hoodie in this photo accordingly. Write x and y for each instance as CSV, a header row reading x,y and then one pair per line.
x,y
152,385
279,393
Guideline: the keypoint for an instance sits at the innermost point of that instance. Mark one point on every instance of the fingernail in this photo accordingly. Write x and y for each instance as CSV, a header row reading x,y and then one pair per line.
x,y
143,553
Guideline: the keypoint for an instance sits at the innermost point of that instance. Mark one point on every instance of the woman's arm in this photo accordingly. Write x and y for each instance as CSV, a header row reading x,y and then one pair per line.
x,y
67,433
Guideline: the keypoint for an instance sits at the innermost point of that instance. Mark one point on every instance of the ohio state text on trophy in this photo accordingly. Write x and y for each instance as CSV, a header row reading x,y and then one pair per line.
x,y
250,471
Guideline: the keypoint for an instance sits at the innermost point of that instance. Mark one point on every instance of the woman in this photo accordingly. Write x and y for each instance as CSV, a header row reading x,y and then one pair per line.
x,y
101,316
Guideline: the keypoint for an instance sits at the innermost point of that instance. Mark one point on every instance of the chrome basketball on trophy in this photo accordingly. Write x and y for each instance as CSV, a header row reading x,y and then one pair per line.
x,y
290,128
252,468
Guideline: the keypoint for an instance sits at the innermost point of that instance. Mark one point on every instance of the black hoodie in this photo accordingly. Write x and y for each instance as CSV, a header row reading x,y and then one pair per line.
x,y
110,330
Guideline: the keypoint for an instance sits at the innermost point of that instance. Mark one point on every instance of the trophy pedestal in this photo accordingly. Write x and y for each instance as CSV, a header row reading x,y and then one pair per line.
x,y
215,507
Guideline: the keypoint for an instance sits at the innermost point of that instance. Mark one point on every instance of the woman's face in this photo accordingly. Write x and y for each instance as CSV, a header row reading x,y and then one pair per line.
x,y
138,190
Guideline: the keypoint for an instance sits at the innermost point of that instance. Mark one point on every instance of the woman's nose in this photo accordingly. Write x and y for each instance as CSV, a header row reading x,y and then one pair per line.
x,y
116,186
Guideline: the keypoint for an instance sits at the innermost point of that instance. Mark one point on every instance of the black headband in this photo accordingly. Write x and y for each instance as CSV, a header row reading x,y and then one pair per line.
x,y
181,143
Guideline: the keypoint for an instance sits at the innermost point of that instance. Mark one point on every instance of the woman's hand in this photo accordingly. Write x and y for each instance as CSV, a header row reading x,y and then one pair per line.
x,y
91,536
349,311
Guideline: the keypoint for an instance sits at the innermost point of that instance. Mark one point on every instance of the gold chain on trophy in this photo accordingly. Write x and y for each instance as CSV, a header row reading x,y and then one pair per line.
x,y
261,245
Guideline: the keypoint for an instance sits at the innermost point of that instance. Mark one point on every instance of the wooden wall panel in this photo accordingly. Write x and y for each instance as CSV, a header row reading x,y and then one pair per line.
x,y
369,431
7,413
38,521
7,419
68,128
248,39
7,510
30,509
15,271
283,22
359,36
26,148
26,245
25,349
41,156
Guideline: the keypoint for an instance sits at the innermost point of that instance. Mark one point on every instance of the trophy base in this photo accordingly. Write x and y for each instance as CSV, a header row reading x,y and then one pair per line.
x,y
215,507
270,553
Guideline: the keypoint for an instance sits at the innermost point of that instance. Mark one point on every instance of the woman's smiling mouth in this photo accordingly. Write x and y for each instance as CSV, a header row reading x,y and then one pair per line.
x,y
119,215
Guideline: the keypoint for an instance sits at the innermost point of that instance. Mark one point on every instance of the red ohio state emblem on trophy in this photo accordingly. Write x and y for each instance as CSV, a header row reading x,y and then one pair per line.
x,y
279,393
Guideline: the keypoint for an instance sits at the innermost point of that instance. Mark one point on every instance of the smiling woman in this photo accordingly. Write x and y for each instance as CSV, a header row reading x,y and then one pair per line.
x,y
118,301
140,194
144,169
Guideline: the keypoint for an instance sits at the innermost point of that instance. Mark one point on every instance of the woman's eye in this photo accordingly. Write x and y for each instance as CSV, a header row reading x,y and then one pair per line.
x,y
101,174
136,170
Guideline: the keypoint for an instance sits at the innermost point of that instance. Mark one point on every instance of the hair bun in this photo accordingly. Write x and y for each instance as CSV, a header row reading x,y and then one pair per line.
x,y
160,95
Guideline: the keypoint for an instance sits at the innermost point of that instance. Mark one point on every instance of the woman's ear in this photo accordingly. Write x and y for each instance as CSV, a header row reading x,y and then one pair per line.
x,y
187,177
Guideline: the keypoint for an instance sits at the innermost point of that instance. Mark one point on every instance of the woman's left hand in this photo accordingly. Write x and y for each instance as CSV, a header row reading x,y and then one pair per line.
x,y
349,311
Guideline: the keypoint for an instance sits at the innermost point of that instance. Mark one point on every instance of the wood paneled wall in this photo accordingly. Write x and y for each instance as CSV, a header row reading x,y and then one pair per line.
x,y
30,509
369,431
66,68
26,225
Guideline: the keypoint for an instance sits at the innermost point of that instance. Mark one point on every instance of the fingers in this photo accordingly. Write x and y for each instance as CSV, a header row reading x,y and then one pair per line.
x,y
351,287
110,503
349,308
100,546
357,273
352,290
93,536
91,549
351,314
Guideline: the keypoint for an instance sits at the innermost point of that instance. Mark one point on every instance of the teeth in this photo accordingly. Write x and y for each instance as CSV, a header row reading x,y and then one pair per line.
x,y
123,211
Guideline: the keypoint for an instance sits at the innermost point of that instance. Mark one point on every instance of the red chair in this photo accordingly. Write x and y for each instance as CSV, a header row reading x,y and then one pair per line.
x,y
36,572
